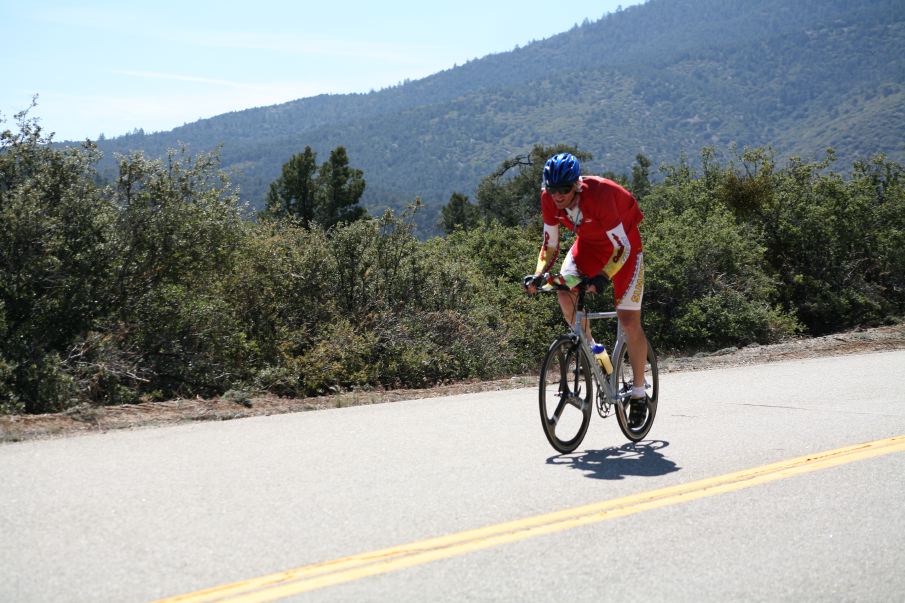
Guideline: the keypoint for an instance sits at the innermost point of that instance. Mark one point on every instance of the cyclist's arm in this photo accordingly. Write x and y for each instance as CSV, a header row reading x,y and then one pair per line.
x,y
549,249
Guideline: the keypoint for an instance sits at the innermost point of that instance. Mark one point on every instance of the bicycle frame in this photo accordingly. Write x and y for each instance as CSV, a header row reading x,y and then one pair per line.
x,y
604,381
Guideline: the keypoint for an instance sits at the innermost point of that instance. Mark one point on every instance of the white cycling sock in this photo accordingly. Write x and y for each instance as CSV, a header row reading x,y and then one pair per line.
x,y
638,391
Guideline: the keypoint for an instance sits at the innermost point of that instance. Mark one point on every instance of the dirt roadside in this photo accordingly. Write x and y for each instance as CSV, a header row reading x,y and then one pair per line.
x,y
235,405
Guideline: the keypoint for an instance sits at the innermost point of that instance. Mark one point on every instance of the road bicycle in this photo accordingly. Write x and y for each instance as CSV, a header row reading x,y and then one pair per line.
x,y
571,371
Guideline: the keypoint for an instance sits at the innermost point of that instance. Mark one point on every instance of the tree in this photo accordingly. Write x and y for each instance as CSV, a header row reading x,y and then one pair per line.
x,y
641,177
459,213
339,187
179,232
327,195
514,200
293,193
55,264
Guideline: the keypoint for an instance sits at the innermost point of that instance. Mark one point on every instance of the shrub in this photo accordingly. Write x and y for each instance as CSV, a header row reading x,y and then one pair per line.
x,y
159,285
706,278
55,263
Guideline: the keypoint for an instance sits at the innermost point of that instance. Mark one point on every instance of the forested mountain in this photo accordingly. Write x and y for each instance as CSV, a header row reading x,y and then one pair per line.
x,y
160,287
665,78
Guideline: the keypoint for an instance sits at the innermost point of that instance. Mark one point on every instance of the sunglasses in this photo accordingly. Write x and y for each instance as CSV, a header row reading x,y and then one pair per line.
x,y
564,189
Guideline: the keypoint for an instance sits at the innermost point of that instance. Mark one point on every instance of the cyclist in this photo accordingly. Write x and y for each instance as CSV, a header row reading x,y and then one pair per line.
x,y
605,218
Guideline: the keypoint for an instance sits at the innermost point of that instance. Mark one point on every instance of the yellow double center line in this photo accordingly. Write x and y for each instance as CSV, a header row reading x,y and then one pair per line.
x,y
330,573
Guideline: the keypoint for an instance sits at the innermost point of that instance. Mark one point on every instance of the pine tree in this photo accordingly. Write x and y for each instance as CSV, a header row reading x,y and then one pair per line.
x,y
459,213
339,187
293,193
327,195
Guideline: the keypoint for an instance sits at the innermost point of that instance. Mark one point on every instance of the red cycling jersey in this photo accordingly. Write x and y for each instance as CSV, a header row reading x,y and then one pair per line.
x,y
607,229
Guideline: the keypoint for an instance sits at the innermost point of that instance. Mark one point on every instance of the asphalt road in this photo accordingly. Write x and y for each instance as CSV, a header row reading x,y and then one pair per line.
x,y
385,492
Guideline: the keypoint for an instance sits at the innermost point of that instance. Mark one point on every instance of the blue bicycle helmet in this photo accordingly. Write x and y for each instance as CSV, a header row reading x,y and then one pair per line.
x,y
561,170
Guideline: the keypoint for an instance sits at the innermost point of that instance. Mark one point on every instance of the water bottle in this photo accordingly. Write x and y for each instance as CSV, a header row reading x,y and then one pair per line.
x,y
602,357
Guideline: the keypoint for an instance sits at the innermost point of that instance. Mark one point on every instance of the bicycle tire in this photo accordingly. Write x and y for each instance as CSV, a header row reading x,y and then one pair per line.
x,y
622,373
563,374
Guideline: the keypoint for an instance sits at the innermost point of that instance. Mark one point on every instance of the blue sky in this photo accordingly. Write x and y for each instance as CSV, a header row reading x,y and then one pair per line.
x,y
100,66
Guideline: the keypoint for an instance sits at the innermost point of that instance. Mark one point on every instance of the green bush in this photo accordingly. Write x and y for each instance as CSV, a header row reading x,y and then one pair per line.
x,y
341,358
55,264
277,289
706,278
190,341
833,244
159,285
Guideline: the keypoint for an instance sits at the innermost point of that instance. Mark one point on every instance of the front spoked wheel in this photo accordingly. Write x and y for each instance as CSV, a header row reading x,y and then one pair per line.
x,y
636,417
566,395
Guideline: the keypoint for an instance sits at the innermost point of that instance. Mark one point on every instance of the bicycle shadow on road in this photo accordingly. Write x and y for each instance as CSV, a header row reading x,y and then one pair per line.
x,y
642,459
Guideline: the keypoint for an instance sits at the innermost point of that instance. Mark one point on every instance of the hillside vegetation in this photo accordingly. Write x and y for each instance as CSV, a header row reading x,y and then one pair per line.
x,y
157,285
665,79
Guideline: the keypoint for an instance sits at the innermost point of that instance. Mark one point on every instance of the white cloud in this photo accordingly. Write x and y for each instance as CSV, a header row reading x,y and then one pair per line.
x,y
155,75
69,115
304,44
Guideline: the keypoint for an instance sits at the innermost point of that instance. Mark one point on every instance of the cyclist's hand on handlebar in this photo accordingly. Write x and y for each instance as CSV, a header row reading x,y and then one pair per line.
x,y
597,283
532,282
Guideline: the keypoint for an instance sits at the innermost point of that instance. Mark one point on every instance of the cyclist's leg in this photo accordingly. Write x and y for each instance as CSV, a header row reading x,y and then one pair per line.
x,y
628,289
637,344
568,300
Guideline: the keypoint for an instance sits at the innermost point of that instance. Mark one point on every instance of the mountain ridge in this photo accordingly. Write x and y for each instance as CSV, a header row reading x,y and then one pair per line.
x,y
665,78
